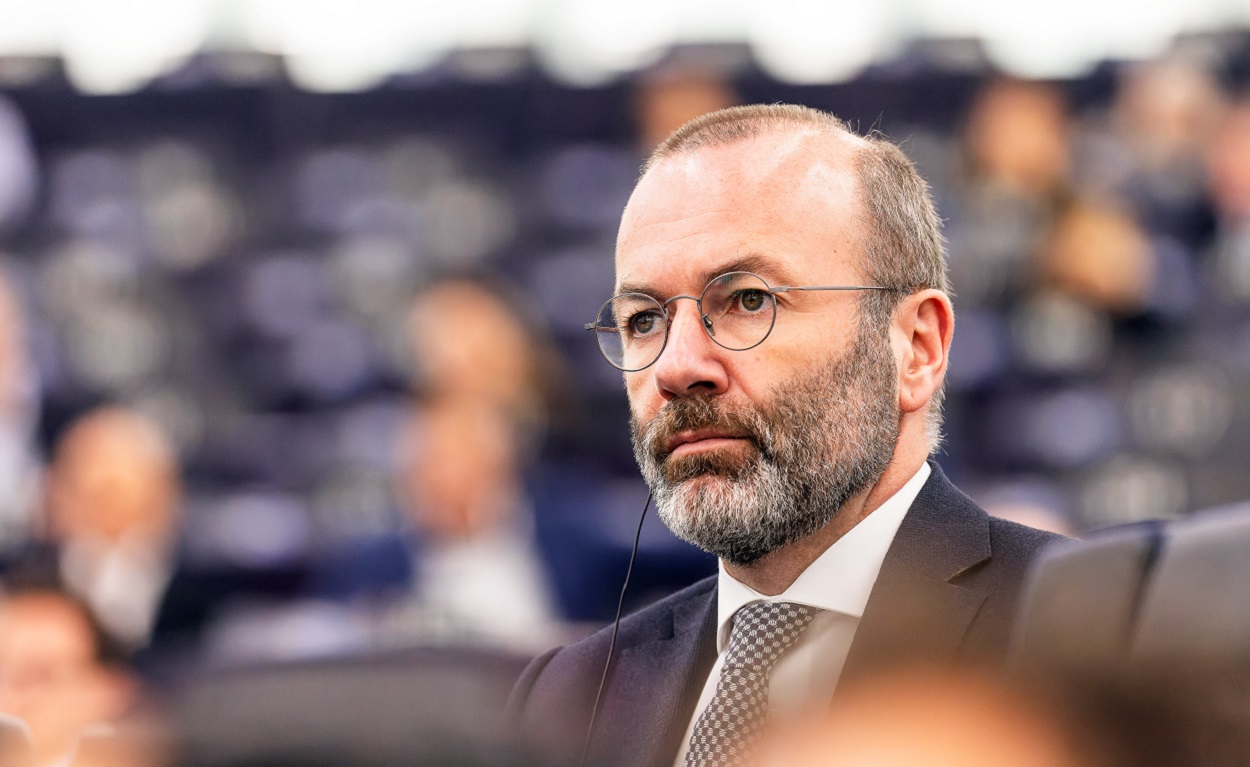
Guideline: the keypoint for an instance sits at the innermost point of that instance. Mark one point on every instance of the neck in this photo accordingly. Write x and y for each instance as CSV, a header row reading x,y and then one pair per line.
x,y
776,571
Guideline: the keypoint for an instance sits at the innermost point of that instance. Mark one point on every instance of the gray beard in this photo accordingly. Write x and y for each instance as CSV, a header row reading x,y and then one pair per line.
x,y
822,438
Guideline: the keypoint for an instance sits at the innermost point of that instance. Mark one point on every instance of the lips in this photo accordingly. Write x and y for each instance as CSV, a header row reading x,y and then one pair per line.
x,y
696,437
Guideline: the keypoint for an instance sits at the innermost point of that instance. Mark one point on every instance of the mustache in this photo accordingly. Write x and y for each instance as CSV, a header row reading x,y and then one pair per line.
x,y
701,412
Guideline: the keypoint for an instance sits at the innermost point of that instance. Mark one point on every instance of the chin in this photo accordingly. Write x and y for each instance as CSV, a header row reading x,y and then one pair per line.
x,y
724,464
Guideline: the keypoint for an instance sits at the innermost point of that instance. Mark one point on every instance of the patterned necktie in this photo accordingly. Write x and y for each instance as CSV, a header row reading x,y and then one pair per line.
x,y
762,632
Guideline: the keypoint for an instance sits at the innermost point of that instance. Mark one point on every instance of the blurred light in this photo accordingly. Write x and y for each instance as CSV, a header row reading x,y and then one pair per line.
x,y
1232,263
1186,410
191,225
355,503
1130,489
816,41
190,218
256,529
1053,333
374,276
333,45
115,46
1072,428
1065,38
250,633
494,23
590,42
93,192
331,359
32,27
84,275
283,294
119,348
179,414
467,221
331,183
118,47
415,165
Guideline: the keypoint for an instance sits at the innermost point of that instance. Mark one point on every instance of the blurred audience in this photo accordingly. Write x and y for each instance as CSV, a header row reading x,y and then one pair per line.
x,y
1095,252
465,566
1149,148
112,518
668,99
1017,146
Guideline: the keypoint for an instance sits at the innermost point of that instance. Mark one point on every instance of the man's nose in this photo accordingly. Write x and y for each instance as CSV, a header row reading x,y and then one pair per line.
x,y
691,363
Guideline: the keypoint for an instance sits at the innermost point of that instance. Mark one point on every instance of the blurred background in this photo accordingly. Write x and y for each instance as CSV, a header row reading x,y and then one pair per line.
x,y
291,351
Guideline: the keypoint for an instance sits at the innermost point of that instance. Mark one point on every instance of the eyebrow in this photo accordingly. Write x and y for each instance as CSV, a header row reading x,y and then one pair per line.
x,y
757,263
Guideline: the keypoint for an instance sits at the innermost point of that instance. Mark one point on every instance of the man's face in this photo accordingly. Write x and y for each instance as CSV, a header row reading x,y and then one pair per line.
x,y
750,450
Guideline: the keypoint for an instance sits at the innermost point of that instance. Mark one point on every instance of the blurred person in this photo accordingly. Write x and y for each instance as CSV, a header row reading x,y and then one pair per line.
x,y
1228,166
1166,112
1149,150
477,574
782,320
1017,145
464,566
113,495
473,343
666,100
1097,252
1018,138
59,672
1228,183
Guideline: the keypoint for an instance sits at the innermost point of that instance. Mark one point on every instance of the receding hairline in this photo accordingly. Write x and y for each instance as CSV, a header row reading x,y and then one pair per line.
x,y
736,124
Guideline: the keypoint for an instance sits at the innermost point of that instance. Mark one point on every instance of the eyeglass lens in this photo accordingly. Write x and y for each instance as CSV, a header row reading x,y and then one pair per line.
x,y
738,312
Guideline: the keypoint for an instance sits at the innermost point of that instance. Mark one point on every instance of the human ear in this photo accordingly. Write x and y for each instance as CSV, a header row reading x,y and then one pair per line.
x,y
924,324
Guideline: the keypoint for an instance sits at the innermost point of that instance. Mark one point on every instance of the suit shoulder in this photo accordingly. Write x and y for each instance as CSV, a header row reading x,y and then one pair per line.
x,y
557,691
1012,539
656,621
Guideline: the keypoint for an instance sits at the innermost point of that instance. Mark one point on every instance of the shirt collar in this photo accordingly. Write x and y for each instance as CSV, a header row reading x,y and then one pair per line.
x,y
841,578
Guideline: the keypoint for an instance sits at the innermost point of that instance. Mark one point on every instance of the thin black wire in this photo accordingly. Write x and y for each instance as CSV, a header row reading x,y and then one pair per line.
x,y
616,627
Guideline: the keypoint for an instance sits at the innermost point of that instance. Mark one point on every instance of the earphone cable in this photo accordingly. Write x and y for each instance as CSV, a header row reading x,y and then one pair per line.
x,y
616,627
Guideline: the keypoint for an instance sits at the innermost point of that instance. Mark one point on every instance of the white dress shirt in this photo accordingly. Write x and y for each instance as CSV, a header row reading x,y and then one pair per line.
x,y
838,584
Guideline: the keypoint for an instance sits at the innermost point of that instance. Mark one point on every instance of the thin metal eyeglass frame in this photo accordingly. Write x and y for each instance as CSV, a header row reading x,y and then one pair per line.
x,y
707,321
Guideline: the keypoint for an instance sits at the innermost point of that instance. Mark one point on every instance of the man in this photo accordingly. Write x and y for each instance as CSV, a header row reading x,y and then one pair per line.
x,y
783,319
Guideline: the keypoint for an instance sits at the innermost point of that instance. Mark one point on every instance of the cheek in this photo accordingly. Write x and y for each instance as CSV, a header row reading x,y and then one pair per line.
x,y
644,398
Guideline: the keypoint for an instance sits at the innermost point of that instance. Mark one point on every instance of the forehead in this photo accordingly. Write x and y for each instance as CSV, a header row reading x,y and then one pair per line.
x,y
787,203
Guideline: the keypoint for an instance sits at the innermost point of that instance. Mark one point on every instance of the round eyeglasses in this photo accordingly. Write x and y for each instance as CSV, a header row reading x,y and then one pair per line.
x,y
737,310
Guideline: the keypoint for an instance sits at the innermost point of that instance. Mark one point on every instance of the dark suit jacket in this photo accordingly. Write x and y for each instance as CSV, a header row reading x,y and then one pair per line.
x,y
947,591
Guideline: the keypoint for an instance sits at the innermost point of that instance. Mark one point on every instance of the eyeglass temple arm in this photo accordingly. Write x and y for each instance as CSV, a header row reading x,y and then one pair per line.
x,y
788,288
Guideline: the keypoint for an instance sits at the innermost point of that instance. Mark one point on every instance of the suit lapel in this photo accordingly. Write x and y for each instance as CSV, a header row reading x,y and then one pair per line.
x,y
915,610
655,686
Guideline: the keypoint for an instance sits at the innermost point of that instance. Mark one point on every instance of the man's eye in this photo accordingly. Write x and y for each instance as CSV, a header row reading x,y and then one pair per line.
x,y
752,300
643,323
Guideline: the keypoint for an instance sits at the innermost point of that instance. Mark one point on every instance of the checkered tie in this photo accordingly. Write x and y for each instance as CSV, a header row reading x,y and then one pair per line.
x,y
762,632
